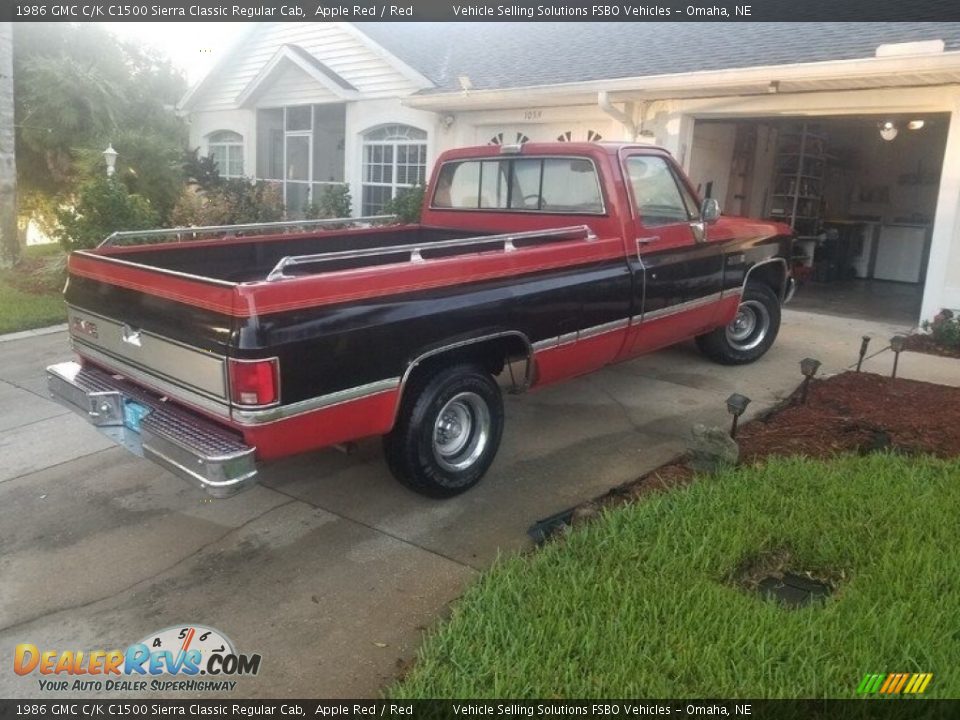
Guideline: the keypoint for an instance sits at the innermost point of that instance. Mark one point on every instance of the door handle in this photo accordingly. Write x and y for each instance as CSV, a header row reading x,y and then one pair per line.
x,y
646,240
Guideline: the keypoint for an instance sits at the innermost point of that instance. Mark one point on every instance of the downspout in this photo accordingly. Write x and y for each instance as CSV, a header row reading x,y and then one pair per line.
x,y
624,117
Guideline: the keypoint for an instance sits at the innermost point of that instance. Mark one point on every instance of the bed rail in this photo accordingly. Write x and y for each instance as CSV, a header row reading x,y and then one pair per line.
x,y
178,234
414,251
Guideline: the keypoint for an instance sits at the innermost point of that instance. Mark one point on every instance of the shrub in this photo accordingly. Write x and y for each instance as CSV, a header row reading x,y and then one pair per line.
x,y
407,204
231,202
334,201
945,329
102,206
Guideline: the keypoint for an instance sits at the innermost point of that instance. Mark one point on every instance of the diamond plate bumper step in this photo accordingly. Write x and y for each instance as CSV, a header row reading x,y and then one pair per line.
x,y
186,444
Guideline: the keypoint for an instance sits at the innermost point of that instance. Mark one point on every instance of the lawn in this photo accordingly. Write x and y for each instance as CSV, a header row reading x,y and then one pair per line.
x,y
651,601
30,298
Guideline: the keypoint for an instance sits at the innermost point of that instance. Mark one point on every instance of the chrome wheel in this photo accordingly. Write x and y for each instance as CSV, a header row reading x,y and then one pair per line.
x,y
461,431
751,325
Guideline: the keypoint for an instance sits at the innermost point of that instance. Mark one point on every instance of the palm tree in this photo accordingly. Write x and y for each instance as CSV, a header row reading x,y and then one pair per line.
x,y
9,242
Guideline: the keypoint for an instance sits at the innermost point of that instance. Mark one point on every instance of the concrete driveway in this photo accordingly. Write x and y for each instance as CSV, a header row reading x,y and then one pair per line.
x,y
330,570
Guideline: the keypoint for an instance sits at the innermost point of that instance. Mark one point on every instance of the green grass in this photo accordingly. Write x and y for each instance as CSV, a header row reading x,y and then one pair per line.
x,y
641,603
41,304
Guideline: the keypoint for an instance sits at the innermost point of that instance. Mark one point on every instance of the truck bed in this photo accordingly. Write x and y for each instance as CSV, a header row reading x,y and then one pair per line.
x,y
251,259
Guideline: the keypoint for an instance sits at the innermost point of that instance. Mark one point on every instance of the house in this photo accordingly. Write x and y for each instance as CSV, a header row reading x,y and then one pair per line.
x,y
849,132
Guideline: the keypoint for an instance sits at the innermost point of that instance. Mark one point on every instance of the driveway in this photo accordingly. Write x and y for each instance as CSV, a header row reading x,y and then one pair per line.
x,y
330,569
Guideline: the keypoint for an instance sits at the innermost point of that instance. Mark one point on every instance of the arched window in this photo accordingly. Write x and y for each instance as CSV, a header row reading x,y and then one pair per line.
x,y
226,147
394,157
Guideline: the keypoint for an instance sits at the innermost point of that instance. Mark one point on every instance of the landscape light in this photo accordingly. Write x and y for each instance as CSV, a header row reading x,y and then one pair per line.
x,y
736,405
897,343
808,367
864,342
110,155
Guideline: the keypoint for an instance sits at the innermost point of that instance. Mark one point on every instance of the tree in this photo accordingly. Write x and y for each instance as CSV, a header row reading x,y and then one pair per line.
x,y
77,88
9,242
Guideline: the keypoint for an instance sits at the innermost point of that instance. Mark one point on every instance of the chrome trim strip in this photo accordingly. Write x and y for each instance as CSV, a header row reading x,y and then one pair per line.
x,y
568,338
786,274
204,371
791,290
416,250
151,268
283,412
682,307
157,335
164,387
228,229
604,328
586,333
527,373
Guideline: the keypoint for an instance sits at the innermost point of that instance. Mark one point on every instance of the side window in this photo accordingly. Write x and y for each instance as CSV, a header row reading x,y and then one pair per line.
x,y
655,191
689,199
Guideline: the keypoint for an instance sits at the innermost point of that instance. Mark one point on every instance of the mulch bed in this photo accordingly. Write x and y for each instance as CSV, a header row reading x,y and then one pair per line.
x,y
851,412
926,344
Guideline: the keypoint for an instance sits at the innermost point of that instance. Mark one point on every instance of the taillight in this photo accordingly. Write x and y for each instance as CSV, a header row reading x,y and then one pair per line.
x,y
254,382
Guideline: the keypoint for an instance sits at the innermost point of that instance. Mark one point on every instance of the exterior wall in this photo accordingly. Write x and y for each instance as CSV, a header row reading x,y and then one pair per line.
x,y
240,121
292,86
338,46
537,123
365,115
943,274
711,158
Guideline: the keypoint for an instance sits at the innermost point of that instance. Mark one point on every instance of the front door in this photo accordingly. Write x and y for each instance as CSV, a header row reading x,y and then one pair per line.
x,y
677,273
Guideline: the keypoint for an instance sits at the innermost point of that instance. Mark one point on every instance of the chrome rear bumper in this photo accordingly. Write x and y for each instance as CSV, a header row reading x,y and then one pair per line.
x,y
184,443
790,290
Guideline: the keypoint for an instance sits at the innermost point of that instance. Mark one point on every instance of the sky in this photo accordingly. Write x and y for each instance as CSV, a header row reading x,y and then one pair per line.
x,y
194,47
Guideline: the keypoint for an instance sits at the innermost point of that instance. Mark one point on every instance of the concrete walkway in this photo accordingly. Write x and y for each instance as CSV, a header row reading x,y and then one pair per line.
x,y
331,570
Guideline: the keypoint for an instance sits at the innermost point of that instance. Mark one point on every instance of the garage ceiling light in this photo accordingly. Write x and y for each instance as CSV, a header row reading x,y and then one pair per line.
x,y
915,124
888,130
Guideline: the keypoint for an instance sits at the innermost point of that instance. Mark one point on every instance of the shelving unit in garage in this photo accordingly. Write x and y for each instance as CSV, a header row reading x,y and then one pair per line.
x,y
797,197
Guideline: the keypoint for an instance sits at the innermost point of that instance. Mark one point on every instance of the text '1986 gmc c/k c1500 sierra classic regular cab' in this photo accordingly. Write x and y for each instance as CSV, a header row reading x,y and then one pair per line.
x,y
531,263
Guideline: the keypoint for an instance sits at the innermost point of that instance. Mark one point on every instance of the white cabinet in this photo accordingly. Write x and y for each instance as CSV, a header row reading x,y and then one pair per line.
x,y
900,251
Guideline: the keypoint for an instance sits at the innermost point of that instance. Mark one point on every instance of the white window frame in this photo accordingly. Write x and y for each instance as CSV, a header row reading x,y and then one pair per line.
x,y
400,137
236,144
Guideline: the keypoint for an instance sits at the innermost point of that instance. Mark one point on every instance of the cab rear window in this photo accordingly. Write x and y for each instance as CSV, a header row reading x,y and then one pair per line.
x,y
549,185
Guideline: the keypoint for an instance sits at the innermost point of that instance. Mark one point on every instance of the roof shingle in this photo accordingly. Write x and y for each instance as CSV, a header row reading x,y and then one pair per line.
x,y
511,55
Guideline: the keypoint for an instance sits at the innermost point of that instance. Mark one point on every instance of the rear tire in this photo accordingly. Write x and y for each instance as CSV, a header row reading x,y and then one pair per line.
x,y
447,432
750,334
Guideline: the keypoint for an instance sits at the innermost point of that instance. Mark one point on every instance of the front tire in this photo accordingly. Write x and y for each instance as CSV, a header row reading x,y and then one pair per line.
x,y
750,334
448,431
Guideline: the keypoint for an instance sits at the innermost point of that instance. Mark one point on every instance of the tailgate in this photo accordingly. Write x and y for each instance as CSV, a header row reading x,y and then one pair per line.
x,y
168,331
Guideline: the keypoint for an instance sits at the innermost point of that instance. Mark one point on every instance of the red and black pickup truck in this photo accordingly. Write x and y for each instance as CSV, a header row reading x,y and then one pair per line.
x,y
531,264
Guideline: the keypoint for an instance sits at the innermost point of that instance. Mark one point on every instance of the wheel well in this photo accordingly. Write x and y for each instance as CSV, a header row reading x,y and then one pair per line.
x,y
491,353
772,273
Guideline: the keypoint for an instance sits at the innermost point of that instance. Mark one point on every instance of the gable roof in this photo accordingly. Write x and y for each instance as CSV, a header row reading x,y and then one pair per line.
x,y
297,56
515,55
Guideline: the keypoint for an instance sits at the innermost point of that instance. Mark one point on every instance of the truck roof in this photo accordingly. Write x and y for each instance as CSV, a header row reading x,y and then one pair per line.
x,y
548,148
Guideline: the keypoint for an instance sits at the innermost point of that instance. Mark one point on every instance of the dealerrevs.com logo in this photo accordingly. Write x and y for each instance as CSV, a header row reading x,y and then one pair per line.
x,y
182,657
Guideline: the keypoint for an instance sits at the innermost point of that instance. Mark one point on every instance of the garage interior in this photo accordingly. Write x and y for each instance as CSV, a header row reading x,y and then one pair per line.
x,y
860,191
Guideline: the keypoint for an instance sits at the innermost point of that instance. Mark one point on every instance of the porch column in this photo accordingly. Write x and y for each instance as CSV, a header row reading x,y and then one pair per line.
x,y
942,286
674,132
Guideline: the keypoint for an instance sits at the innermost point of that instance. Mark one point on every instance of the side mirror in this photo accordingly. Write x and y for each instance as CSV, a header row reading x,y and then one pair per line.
x,y
710,210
